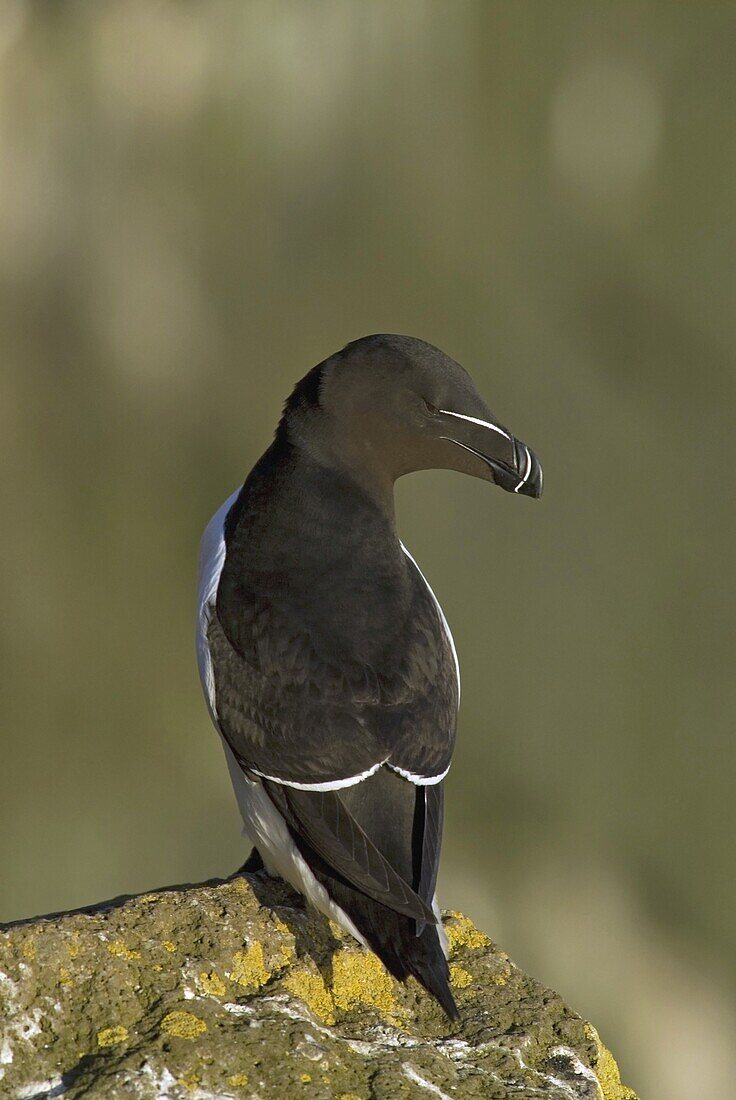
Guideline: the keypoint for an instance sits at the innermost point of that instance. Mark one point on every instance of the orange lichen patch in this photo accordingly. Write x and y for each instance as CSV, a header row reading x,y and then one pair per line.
x,y
212,983
238,1079
169,946
359,978
306,1078
249,968
121,950
29,949
310,988
189,1081
111,1036
73,949
460,978
183,1025
461,932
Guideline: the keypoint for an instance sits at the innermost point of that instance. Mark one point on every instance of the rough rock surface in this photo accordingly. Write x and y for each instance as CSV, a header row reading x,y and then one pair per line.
x,y
234,989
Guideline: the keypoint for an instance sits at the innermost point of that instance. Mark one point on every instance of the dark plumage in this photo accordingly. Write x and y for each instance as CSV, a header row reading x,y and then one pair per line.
x,y
328,666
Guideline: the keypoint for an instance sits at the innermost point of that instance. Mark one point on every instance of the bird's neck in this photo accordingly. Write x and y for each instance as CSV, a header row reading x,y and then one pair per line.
x,y
293,503
351,462
316,541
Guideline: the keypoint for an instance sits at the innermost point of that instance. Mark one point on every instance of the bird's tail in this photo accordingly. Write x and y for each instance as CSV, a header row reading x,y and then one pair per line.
x,y
362,878
393,937
428,964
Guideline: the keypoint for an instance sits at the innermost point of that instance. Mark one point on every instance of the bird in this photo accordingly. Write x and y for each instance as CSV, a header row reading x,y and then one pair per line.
x,y
327,664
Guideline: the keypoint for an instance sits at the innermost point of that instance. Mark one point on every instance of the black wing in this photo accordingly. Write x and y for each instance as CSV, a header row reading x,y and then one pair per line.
x,y
325,822
385,816
295,708
302,709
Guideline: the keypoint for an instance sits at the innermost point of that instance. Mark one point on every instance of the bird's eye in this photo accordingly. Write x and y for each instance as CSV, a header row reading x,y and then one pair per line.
x,y
430,408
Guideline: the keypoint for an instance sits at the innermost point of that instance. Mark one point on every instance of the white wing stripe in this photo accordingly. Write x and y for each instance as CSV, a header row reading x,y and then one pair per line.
x,y
420,780
330,785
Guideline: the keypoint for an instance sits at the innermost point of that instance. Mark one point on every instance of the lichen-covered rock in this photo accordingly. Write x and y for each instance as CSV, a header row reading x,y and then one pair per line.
x,y
234,989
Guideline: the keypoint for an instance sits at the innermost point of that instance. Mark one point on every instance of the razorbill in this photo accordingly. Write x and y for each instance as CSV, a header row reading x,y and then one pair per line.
x,y
328,666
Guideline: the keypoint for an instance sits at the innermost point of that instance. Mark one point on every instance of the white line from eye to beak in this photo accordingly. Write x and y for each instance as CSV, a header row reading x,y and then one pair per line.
x,y
528,468
474,420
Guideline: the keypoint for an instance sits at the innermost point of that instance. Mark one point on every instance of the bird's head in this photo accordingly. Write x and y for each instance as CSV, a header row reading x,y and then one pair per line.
x,y
388,405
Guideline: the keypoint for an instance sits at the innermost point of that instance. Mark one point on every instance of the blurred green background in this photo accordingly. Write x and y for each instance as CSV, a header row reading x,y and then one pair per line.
x,y
199,201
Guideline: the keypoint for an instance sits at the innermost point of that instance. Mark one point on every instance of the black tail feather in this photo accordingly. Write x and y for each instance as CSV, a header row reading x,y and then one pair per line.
x,y
393,937
431,970
372,847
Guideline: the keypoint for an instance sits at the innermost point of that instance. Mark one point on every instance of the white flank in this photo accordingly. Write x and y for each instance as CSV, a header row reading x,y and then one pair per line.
x,y
211,561
266,828
474,420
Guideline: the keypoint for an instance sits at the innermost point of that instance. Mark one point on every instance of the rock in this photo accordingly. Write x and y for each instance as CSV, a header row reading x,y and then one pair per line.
x,y
234,989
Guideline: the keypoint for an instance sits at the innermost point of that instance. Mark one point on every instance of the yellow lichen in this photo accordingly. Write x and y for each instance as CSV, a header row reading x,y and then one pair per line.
x,y
607,1071
169,946
146,899
189,1081
288,953
286,949
238,1079
73,949
338,932
360,978
310,988
110,1036
212,983
157,967
29,949
249,968
502,976
306,1078
183,1025
460,978
349,1096
461,932
121,950
65,977
240,885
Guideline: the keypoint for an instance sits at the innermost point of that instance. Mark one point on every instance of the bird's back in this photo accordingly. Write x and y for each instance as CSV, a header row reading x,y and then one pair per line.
x,y
335,687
